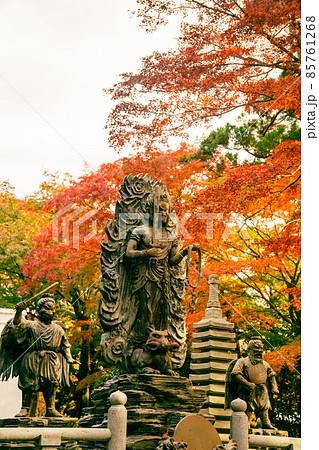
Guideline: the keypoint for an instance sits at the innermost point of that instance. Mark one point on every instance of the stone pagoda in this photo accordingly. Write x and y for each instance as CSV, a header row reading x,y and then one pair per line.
x,y
213,350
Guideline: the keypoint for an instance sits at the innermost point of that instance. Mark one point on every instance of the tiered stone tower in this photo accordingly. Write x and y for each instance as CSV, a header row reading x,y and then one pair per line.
x,y
213,350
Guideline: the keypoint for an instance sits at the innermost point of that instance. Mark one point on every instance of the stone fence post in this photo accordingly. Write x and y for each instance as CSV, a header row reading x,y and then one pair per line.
x,y
117,420
239,423
51,438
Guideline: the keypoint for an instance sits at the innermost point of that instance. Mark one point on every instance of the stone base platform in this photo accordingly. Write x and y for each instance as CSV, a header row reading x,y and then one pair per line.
x,y
65,422
39,422
155,404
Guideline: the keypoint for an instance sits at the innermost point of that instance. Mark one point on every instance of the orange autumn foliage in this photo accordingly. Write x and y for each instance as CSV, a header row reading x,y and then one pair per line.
x,y
230,55
254,247
287,355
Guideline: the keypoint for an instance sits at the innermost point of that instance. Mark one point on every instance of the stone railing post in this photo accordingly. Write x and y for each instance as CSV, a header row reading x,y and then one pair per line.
x,y
239,423
117,421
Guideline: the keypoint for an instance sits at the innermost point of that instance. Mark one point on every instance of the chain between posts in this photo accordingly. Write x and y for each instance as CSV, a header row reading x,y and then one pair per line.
x,y
192,302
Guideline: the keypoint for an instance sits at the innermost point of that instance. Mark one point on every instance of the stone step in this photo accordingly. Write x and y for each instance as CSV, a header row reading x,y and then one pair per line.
x,y
214,389
207,345
215,401
213,334
206,324
219,413
212,354
225,437
207,377
222,426
209,366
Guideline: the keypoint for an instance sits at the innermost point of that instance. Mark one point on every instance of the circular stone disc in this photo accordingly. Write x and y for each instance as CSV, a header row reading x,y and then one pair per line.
x,y
197,432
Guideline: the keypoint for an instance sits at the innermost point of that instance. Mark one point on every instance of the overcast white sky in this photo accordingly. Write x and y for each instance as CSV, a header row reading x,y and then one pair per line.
x,y
56,57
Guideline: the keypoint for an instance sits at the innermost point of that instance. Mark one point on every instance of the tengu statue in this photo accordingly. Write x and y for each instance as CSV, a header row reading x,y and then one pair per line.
x,y
38,352
253,380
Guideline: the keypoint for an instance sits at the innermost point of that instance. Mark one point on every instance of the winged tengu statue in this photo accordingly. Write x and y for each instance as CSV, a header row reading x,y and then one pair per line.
x,y
38,352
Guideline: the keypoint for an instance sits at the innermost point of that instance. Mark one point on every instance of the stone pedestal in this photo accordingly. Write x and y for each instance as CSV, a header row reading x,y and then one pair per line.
x,y
213,350
39,422
155,404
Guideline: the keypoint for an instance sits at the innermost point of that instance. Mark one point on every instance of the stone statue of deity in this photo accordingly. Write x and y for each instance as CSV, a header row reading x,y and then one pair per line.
x,y
253,380
143,281
38,352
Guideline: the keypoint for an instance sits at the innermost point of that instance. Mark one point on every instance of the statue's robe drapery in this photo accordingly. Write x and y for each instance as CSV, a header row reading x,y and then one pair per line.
x,y
157,289
42,348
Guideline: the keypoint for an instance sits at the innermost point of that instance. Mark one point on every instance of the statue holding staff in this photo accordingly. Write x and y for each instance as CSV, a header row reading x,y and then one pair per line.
x,y
38,352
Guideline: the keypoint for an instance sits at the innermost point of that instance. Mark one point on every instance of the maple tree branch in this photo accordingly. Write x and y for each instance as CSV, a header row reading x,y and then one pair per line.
x,y
272,121
250,152
295,317
241,9
283,49
284,276
286,225
257,289
281,30
293,278
291,184
227,12
271,200
197,119
277,278
258,63
262,234
297,274
211,255
253,252
296,263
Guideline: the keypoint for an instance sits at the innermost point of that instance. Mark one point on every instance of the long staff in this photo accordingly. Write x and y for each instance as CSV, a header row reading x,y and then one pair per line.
x,y
25,302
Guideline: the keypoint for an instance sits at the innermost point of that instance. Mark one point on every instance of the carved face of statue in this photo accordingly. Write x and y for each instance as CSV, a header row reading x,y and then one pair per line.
x,y
255,351
46,311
